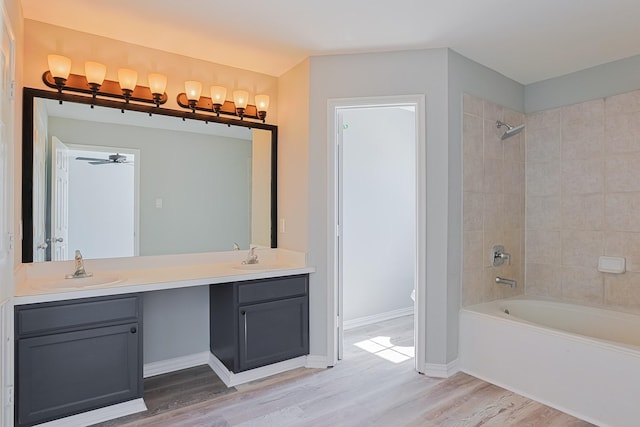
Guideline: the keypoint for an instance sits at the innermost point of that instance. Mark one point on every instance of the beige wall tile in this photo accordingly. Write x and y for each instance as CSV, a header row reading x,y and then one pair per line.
x,y
493,211
582,248
472,208
472,250
583,285
622,133
544,145
626,245
513,175
493,112
543,178
545,119
621,212
543,280
493,144
472,105
623,172
583,212
544,247
544,213
583,140
624,103
512,216
589,111
583,176
513,118
493,176
472,286
472,136
514,148
622,290
473,174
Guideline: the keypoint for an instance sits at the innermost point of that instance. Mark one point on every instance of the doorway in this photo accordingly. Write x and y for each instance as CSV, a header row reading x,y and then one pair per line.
x,y
378,214
102,189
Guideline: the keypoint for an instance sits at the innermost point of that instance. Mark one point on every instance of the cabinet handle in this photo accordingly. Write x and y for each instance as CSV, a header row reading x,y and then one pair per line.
x,y
133,330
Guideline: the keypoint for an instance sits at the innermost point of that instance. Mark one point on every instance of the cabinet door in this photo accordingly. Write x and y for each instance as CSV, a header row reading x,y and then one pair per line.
x,y
63,374
272,332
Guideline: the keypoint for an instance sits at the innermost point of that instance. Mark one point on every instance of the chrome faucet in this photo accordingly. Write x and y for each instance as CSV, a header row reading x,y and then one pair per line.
x,y
504,281
79,267
252,258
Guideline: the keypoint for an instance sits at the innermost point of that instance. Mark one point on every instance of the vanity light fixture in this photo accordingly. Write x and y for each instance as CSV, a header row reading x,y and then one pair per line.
x,y
262,105
128,79
60,68
59,77
218,97
240,99
219,105
95,73
157,85
193,89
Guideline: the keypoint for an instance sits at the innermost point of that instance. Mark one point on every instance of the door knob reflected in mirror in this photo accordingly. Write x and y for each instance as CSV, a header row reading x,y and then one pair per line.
x,y
58,240
42,245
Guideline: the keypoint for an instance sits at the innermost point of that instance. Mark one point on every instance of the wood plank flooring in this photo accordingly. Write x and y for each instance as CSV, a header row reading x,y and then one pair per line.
x,y
364,389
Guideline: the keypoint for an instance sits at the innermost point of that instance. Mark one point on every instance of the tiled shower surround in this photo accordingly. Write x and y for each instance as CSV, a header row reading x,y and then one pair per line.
x,y
493,204
582,185
583,200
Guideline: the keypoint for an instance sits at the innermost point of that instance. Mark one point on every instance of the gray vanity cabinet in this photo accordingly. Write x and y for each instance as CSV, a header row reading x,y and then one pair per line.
x,y
77,355
259,322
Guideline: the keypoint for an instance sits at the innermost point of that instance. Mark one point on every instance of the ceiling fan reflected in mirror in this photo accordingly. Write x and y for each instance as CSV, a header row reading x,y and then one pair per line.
x,y
112,159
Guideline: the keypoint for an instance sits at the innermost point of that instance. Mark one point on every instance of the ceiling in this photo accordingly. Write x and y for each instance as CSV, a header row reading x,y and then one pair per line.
x,y
527,41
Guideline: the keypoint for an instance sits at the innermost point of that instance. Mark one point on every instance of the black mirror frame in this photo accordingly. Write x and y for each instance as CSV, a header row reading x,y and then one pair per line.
x,y
29,94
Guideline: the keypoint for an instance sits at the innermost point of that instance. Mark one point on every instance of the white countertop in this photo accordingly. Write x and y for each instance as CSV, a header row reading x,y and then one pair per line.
x,y
151,273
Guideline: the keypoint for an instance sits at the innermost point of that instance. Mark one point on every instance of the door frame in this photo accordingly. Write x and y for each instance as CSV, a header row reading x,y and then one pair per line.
x,y
334,321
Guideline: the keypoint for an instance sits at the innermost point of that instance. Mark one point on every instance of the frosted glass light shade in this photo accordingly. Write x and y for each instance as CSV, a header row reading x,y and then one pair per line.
x,y
95,72
127,78
157,83
240,98
218,94
193,89
59,66
262,102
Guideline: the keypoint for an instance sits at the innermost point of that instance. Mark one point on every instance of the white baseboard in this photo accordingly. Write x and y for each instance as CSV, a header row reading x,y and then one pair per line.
x,y
375,318
99,415
316,362
437,370
175,364
232,379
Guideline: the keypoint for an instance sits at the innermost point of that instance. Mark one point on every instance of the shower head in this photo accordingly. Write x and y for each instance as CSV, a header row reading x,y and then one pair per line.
x,y
511,131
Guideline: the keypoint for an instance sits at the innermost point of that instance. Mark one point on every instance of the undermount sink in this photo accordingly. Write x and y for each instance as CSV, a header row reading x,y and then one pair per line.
x,y
79,283
255,267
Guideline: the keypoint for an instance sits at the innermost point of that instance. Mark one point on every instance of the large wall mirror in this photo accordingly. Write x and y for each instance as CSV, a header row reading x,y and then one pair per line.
x,y
140,180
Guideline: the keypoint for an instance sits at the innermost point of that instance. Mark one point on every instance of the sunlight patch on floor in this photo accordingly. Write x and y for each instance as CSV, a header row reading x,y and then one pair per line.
x,y
382,347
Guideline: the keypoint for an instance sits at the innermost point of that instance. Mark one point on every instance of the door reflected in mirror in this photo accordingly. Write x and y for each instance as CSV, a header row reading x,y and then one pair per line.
x,y
120,185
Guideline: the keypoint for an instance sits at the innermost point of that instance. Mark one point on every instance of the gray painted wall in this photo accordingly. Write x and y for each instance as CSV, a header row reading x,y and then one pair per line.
x,y
176,323
379,221
597,82
467,76
382,74
204,183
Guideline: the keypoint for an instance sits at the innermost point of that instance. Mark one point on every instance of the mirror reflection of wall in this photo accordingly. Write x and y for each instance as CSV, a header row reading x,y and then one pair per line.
x,y
198,192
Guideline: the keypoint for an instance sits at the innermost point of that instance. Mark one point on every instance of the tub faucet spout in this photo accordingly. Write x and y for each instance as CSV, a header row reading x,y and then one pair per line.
x,y
509,282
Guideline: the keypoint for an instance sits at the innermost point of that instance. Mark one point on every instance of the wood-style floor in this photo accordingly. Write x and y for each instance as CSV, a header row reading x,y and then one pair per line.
x,y
364,389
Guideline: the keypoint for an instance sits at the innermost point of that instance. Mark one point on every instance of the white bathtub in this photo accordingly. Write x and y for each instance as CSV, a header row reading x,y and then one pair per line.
x,y
581,360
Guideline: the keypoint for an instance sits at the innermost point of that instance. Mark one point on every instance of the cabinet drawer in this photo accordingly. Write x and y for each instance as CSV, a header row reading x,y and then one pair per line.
x,y
272,289
58,316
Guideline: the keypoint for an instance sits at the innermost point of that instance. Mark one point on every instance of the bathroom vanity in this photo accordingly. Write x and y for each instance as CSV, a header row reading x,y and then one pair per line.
x,y
78,355
80,348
